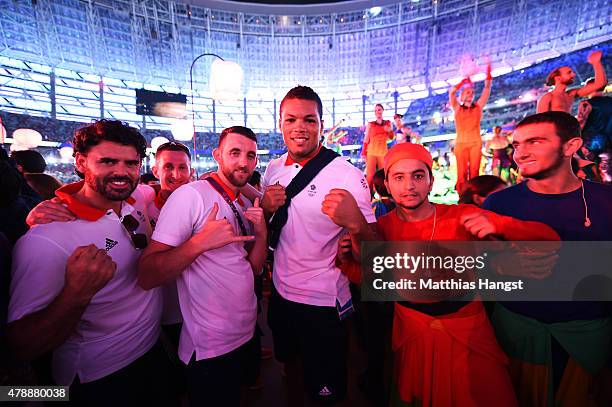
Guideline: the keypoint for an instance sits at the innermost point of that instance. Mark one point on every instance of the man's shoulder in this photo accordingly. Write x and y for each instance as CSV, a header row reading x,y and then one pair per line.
x,y
341,171
503,198
56,234
599,188
192,188
341,163
387,218
277,162
274,166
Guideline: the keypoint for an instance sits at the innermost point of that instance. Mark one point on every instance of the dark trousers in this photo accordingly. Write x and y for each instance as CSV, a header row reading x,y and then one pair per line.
x,y
143,382
216,381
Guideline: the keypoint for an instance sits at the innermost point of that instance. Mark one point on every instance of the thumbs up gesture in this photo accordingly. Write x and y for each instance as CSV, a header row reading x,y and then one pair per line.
x,y
217,233
255,215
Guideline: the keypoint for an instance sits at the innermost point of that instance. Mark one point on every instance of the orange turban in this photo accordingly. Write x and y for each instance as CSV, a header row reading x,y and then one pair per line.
x,y
407,150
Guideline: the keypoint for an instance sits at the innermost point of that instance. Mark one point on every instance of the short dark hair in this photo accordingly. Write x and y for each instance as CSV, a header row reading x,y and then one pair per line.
x,y
44,184
243,131
147,177
304,93
173,146
30,161
381,106
566,125
380,187
401,116
107,130
481,185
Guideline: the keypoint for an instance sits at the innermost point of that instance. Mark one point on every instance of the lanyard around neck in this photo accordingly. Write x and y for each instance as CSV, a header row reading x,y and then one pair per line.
x,y
227,199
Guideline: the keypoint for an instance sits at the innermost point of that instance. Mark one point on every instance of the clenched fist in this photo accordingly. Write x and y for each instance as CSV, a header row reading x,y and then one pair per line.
x,y
594,57
273,198
478,224
342,209
88,270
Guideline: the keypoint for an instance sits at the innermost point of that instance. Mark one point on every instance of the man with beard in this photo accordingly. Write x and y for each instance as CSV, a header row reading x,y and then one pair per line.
x,y
558,350
173,169
74,288
203,239
561,99
311,301
433,339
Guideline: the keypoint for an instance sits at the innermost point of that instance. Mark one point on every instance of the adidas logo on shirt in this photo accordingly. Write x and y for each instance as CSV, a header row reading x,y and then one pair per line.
x,y
110,243
325,391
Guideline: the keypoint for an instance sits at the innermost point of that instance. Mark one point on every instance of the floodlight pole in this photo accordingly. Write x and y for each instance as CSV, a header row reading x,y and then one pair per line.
x,y
195,150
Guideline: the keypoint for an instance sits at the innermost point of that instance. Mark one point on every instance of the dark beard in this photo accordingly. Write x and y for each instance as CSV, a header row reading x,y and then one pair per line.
x,y
235,182
413,207
102,186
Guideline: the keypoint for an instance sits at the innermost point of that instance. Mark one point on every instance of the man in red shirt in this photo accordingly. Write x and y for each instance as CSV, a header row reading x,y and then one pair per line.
x,y
432,341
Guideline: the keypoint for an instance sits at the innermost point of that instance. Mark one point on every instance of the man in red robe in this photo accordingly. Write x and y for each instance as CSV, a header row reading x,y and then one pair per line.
x,y
445,353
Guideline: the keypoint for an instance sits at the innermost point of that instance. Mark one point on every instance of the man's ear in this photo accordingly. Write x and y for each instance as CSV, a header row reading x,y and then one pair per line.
x,y
431,183
216,153
154,171
80,162
572,146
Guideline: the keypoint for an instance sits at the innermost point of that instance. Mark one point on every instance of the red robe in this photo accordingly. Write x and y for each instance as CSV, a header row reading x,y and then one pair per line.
x,y
453,359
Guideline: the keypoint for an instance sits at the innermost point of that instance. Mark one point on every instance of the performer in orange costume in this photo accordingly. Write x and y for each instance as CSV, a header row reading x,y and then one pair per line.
x,y
375,143
467,122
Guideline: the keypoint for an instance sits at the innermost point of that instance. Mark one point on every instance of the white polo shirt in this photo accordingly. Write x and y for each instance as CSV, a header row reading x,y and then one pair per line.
x,y
304,269
216,291
171,312
121,323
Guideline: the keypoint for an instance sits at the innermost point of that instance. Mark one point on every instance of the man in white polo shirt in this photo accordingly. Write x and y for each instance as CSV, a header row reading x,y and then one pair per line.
x,y
74,284
173,169
204,240
311,297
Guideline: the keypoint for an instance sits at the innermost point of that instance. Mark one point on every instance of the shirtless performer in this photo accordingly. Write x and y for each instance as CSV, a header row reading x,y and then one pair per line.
x,y
562,99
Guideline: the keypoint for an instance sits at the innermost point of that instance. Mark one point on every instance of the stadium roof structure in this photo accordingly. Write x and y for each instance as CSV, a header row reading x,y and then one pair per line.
x,y
77,59
348,48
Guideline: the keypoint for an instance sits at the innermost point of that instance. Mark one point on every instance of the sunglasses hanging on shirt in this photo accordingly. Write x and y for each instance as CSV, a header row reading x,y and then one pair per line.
x,y
139,240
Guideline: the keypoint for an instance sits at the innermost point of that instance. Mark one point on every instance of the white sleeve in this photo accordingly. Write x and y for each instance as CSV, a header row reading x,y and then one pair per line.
x,y
272,171
357,185
37,276
265,181
181,216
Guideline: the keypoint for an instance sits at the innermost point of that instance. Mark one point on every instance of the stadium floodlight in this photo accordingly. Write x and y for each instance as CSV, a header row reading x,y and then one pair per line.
x,y
225,82
374,11
182,129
